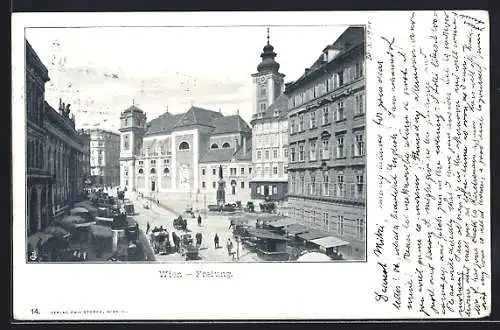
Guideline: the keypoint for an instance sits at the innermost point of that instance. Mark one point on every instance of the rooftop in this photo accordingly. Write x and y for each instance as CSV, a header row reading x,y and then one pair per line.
x,y
195,116
230,124
351,38
226,155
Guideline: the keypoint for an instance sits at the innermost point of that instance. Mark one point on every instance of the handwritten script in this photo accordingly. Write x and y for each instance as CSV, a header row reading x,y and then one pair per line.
x,y
431,122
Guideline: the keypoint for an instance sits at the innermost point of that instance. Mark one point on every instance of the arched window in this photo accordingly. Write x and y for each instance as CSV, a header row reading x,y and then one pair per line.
x,y
184,146
141,171
166,171
226,145
214,146
153,171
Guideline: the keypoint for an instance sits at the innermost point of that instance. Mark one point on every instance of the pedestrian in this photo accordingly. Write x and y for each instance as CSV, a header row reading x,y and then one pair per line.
x,y
231,224
148,226
216,241
199,220
229,246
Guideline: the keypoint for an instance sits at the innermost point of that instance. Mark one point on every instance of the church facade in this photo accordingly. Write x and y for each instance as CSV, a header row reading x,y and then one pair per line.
x,y
173,153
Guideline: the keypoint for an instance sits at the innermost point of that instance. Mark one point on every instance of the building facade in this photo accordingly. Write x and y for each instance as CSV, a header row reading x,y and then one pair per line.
x,y
269,129
38,179
165,154
53,150
85,157
327,153
236,171
65,150
104,157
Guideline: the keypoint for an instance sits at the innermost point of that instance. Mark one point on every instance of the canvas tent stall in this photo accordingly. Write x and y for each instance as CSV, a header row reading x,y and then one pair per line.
x,y
295,229
241,223
280,224
268,245
264,220
330,245
312,234
78,210
57,231
76,221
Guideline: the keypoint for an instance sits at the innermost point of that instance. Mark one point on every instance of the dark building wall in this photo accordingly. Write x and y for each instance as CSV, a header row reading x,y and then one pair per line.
x,y
262,189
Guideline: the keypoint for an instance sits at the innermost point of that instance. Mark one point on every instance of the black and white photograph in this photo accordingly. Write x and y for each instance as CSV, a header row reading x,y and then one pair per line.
x,y
318,161
207,150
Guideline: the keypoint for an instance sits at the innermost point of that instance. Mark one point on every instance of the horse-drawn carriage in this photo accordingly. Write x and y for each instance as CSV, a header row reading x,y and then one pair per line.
x,y
189,211
128,206
187,247
160,241
268,207
180,223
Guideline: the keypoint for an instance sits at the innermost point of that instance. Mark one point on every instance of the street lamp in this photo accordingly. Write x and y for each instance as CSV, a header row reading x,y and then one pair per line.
x,y
205,205
238,240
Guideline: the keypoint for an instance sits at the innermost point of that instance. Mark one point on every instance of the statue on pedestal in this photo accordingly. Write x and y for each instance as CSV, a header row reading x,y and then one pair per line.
x,y
221,193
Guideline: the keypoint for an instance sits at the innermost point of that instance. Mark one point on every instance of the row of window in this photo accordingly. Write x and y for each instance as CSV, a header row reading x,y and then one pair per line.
x,y
330,83
266,171
267,126
271,139
298,185
337,223
275,153
164,150
233,186
35,154
130,121
34,102
224,146
298,123
297,153
152,162
140,171
232,171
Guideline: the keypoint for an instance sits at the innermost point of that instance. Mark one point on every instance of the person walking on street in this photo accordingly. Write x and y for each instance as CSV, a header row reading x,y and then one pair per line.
x,y
199,220
229,246
148,226
216,241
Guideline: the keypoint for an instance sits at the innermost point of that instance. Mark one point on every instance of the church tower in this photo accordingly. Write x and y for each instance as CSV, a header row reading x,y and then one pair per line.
x,y
268,82
132,129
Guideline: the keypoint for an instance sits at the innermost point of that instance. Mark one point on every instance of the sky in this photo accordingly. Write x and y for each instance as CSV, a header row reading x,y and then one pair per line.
x,y
101,71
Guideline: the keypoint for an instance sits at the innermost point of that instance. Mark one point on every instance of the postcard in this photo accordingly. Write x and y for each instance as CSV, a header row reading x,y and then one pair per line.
x,y
257,166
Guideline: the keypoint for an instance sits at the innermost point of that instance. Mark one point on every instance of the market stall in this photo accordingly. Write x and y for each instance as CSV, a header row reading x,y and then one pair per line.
x,y
330,245
268,245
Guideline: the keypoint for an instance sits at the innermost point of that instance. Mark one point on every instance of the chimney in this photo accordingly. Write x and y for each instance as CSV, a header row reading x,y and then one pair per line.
x,y
244,146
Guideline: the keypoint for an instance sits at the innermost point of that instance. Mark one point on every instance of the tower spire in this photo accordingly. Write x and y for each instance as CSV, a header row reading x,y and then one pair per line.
x,y
268,36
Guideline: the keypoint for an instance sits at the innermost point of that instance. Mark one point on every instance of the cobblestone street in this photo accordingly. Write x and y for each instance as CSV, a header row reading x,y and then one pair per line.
x,y
164,214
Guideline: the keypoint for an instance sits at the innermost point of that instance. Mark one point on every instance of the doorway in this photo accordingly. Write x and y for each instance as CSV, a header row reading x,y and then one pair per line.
x,y
33,209
266,190
153,186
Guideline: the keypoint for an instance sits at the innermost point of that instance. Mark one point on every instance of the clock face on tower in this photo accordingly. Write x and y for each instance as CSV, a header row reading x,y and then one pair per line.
x,y
261,80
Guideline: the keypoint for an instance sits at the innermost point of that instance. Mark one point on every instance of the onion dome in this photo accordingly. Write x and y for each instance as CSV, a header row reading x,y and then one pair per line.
x,y
268,63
